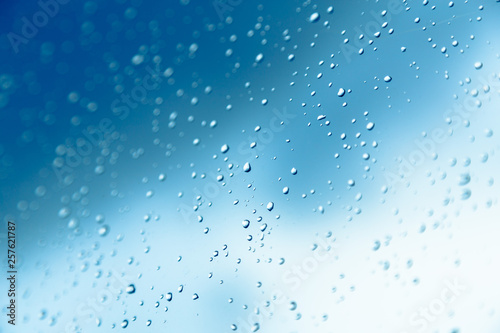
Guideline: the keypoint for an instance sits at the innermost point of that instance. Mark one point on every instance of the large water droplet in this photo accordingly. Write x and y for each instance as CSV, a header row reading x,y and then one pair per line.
x,y
314,17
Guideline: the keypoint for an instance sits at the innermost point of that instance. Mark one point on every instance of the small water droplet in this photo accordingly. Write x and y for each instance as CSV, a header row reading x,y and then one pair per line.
x,y
464,179
130,289
103,231
466,193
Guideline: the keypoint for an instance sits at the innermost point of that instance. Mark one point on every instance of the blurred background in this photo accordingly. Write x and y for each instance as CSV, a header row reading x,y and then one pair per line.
x,y
251,166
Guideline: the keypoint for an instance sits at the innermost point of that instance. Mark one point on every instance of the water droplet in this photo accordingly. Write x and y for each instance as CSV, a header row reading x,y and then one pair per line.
x,y
466,193
341,92
314,17
124,323
478,65
195,296
293,306
245,223
286,190
64,212
464,179
270,206
247,167
387,78
137,59
40,191
73,223
130,289
103,231
293,171
370,126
